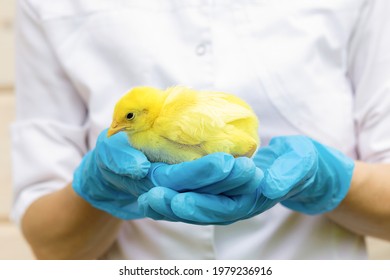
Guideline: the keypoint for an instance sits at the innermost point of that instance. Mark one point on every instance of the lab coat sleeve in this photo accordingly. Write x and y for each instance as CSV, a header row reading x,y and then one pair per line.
x,y
369,71
49,134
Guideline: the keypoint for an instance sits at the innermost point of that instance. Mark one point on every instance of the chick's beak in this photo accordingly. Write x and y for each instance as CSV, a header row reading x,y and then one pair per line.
x,y
114,128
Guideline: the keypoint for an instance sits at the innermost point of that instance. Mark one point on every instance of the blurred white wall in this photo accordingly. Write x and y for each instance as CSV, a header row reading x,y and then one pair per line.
x,y
12,244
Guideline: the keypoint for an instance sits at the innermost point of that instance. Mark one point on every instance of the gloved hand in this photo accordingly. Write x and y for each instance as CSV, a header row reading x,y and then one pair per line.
x,y
113,175
305,175
214,174
298,172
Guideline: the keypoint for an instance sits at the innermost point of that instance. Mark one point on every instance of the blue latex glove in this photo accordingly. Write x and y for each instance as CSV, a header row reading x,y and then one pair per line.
x,y
216,174
113,175
305,175
298,172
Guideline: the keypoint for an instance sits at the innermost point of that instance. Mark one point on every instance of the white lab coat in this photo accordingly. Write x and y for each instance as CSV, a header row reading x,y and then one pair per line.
x,y
319,68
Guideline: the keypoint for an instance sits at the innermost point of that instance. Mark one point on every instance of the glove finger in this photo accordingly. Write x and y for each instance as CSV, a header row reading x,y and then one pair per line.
x,y
211,209
145,208
115,154
300,145
159,201
126,184
265,157
249,187
286,173
279,146
194,174
100,191
239,181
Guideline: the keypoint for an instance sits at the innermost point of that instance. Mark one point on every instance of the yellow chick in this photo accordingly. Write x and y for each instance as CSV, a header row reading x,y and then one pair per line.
x,y
181,124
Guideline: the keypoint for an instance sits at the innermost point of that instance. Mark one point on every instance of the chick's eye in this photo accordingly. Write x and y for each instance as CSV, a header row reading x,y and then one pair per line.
x,y
130,116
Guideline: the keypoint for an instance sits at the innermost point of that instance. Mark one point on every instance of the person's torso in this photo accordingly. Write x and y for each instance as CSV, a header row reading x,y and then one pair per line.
x,y
287,59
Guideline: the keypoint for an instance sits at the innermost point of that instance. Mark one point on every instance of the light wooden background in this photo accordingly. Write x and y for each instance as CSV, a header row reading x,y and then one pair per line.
x,y
12,244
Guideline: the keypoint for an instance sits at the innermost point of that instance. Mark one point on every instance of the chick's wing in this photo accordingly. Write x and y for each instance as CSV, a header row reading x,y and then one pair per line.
x,y
191,117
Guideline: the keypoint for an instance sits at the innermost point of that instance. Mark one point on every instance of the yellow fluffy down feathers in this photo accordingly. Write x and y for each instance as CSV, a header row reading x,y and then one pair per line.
x,y
181,124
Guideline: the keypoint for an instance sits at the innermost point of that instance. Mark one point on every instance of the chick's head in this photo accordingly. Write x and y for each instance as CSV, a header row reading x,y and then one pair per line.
x,y
136,111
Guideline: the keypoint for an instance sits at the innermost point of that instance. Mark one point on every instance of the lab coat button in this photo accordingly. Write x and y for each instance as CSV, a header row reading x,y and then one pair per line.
x,y
201,49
